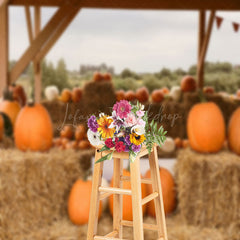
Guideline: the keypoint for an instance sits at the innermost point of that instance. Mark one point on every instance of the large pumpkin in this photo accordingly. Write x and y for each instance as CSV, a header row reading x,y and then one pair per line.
x,y
79,202
33,129
168,192
206,128
234,132
127,200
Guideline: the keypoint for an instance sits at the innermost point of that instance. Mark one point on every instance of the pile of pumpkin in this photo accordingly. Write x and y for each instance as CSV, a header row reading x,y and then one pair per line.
x,y
71,138
80,196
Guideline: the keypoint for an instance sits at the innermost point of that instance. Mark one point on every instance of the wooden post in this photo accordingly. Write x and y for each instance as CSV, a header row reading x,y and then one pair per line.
x,y
205,46
37,64
201,35
3,47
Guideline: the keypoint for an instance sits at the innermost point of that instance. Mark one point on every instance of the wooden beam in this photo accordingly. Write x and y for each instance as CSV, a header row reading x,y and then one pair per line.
x,y
3,47
150,4
205,45
37,63
29,23
57,34
3,2
201,35
41,40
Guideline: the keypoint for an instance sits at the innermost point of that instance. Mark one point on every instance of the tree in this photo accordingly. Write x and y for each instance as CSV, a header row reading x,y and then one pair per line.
x,y
61,75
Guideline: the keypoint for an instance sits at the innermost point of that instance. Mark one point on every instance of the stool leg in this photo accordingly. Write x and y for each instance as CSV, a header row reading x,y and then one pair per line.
x,y
158,202
136,200
94,206
117,198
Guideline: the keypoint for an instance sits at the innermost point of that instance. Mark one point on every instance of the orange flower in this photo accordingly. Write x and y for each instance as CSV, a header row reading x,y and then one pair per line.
x,y
104,129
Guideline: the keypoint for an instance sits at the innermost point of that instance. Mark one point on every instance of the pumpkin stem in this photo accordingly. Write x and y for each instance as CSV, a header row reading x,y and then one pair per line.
x,y
31,103
7,95
201,96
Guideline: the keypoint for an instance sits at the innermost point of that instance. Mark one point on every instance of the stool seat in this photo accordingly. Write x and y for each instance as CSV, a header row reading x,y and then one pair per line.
x,y
100,192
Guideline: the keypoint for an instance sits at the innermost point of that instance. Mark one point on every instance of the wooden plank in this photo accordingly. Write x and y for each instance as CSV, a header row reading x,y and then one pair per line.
x,y
3,2
136,199
147,226
42,38
115,190
205,44
29,23
149,198
107,238
3,47
117,198
94,205
104,195
112,234
57,34
158,202
201,35
143,180
37,63
150,4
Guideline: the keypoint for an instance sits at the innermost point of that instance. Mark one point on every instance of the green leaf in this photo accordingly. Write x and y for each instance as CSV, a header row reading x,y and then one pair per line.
x,y
132,156
104,148
106,157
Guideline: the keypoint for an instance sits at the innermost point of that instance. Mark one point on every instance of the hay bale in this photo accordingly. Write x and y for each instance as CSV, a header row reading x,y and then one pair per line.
x,y
35,186
208,188
98,97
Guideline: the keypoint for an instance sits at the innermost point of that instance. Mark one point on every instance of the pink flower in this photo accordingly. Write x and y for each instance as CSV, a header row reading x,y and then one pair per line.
x,y
109,143
140,113
120,147
141,122
122,108
130,120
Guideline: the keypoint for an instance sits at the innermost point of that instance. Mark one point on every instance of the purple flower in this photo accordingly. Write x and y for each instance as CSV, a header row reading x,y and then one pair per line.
x,y
136,148
127,140
92,123
122,108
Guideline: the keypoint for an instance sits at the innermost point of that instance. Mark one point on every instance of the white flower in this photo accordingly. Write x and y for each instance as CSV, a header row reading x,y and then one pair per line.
x,y
138,129
101,114
94,138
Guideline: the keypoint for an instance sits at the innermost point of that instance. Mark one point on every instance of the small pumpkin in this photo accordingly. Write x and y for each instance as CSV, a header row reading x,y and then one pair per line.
x,y
84,144
33,129
142,94
18,94
76,94
127,200
157,96
107,77
206,128
80,132
51,93
79,202
165,90
130,95
234,132
97,77
57,142
185,143
66,95
178,142
188,84
120,95
208,90
66,132
168,146
168,192
175,93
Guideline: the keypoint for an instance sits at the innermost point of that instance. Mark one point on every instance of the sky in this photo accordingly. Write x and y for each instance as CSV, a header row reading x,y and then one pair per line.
x,y
144,41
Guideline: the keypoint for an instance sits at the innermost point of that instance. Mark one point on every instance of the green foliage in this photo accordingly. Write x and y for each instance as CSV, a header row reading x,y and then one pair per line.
x,y
127,73
126,84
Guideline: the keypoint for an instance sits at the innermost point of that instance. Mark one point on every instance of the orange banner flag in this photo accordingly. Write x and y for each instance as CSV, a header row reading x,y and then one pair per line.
x,y
219,21
235,26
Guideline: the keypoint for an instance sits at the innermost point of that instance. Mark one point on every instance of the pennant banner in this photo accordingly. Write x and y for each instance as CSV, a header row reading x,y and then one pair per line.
x,y
219,21
235,26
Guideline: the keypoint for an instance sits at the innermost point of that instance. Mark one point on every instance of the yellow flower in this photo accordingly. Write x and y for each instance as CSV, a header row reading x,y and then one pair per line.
x,y
104,129
137,139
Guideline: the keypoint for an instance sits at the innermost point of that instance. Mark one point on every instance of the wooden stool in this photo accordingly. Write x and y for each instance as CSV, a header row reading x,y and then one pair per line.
x,y
99,192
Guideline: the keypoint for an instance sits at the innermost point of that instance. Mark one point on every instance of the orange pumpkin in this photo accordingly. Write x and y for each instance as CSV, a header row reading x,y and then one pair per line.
x,y
188,84
66,95
33,129
234,132
76,94
18,94
1,127
79,202
130,95
57,142
97,77
165,90
238,93
11,108
127,200
120,95
157,96
208,90
185,143
168,192
142,94
178,142
80,132
66,132
206,128
84,144
107,76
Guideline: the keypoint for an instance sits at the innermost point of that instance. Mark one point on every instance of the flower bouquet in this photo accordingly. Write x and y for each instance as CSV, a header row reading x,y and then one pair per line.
x,y
126,130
